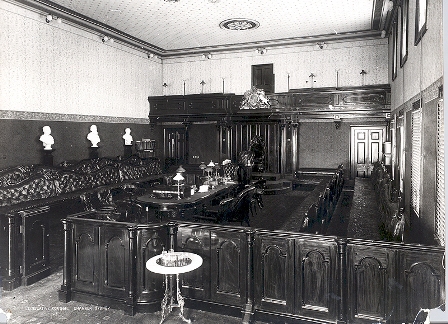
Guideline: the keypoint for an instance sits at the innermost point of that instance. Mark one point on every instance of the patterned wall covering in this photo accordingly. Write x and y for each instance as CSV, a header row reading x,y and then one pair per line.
x,y
234,69
57,68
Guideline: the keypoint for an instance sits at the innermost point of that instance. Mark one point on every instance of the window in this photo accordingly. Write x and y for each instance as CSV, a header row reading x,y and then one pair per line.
x,y
416,159
420,20
404,32
440,177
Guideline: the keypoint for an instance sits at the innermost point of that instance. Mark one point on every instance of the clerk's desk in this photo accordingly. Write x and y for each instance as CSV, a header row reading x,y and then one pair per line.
x,y
185,208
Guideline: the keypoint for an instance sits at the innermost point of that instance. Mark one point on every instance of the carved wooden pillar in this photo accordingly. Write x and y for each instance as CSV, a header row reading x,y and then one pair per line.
x,y
283,139
65,291
342,280
249,308
187,141
11,281
132,293
294,146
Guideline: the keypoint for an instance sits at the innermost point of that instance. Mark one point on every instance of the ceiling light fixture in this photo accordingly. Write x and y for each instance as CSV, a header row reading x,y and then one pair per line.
x,y
239,24
207,55
49,18
106,39
321,45
261,50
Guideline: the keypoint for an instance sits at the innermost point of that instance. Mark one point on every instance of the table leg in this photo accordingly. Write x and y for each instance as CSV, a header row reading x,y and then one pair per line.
x,y
180,301
165,307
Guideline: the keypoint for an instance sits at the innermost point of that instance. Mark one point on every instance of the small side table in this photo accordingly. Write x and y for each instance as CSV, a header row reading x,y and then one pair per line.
x,y
173,263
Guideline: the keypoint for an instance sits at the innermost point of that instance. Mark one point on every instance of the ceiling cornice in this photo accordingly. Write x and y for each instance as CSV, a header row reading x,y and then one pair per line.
x,y
77,19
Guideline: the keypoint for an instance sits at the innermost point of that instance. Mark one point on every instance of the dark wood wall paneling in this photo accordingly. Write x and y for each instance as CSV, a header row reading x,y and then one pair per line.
x,y
20,143
218,129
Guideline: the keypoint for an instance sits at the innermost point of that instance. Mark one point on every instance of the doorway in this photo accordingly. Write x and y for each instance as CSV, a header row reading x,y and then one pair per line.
x,y
175,146
263,77
366,149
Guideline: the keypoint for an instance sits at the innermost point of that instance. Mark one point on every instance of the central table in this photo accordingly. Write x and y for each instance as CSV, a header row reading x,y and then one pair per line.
x,y
173,207
173,263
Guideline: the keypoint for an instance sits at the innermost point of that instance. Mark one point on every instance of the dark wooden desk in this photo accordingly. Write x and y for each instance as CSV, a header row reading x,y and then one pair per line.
x,y
184,208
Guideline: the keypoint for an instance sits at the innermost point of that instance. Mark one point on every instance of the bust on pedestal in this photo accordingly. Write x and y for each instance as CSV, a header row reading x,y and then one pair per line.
x,y
127,142
94,139
47,141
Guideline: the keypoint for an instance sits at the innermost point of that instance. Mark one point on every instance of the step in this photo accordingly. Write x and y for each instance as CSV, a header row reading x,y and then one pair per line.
x,y
266,176
277,187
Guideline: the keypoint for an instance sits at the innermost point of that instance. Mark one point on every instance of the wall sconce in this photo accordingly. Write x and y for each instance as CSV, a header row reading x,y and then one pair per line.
x,y
202,85
49,18
207,55
312,76
337,121
164,85
261,50
321,45
106,39
363,74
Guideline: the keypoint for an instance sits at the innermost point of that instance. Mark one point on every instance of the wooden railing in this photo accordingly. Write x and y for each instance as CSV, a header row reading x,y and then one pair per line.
x,y
256,274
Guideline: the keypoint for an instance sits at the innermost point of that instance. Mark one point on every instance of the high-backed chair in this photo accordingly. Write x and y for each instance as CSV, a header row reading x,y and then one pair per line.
x,y
234,209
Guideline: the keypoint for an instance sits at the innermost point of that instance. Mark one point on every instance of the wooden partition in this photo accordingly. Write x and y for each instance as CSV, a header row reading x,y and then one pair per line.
x,y
255,274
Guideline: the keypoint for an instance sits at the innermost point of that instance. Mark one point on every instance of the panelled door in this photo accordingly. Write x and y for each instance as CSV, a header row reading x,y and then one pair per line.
x,y
175,145
366,149
263,77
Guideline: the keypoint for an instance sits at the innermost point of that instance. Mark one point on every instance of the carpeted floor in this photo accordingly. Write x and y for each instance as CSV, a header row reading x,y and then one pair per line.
x,y
280,211
38,303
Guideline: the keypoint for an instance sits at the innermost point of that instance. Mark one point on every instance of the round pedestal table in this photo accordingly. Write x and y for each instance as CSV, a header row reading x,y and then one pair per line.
x,y
169,264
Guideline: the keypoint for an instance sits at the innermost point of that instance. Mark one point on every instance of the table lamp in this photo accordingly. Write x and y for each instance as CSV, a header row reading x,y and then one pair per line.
x,y
180,169
178,177
217,167
202,166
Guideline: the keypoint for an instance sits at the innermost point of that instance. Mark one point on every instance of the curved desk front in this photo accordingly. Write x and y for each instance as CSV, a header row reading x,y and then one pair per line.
x,y
183,208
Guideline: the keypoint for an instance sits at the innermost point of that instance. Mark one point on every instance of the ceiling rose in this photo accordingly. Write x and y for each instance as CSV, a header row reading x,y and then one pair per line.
x,y
239,24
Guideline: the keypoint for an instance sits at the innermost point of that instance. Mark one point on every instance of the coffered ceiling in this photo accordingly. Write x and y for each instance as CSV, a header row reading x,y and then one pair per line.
x,y
187,26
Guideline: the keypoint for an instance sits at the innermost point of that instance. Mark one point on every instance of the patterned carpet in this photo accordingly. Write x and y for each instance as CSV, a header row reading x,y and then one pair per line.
x,y
38,303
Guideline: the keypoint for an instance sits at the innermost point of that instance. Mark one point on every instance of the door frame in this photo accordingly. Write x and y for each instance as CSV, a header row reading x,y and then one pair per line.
x,y
353,146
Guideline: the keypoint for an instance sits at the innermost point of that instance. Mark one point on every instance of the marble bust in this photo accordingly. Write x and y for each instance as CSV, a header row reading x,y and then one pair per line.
x,y
93,136
127,137
46,138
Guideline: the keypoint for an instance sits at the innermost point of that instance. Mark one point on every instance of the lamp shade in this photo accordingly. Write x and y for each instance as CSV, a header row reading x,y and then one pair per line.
x,y
211,164
202,166
180,169
178,177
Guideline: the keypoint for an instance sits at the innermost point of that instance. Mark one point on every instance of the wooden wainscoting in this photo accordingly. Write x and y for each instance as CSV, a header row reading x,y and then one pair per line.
x,y
254,274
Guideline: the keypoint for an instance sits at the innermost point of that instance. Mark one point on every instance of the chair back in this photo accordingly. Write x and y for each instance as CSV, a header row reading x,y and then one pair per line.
x,y
239,209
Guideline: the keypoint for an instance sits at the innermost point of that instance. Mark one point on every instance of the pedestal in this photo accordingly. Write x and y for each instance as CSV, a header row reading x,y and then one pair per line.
x,y
93,152
127,151
47,157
